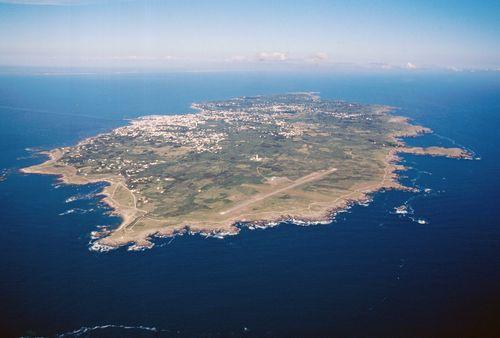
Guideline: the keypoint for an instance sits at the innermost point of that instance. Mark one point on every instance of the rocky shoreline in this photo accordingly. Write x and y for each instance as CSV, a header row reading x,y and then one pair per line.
x,y
106,240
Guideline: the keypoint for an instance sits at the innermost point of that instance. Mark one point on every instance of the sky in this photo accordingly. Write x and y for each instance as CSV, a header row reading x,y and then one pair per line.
x,y
194,34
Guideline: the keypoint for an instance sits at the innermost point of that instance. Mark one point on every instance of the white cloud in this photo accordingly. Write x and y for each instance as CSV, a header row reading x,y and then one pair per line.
x,y
320,57
272,56
410,65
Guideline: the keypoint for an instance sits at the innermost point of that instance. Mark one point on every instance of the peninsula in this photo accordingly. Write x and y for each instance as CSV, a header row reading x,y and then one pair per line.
x,y
250,160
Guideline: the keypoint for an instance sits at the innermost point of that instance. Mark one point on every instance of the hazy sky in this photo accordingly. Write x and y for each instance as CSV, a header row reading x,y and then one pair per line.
x,y
199,34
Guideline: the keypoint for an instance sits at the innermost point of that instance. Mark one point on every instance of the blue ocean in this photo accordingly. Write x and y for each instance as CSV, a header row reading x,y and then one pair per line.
x,y
370,273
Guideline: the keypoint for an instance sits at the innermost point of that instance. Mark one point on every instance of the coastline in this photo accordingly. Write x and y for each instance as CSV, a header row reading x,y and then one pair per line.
x,y
106,240
68,175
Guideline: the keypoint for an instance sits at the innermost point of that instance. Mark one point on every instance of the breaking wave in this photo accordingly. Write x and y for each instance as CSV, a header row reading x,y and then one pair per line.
x,y
406,209
98,247
475,155
85,330
76,211
80,197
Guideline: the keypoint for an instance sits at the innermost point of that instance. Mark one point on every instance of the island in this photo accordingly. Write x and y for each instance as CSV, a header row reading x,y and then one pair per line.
x,y
248,161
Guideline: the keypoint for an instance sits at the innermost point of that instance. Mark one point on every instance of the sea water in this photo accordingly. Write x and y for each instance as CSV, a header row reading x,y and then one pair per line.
x,y
433,270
